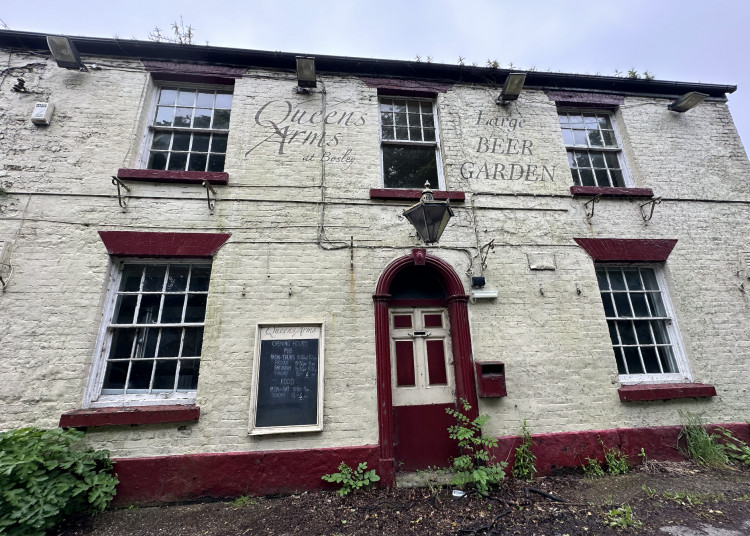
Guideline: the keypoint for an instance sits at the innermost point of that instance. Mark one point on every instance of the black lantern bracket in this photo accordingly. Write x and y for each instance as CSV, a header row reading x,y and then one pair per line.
x,y
429,217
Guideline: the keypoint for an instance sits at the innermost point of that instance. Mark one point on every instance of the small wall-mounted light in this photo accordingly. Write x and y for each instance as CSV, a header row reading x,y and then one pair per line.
x,y
306,73
687,101
511,88
429,217
65,53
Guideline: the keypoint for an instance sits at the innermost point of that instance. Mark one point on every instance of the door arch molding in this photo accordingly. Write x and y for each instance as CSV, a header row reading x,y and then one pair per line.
x,y
461,347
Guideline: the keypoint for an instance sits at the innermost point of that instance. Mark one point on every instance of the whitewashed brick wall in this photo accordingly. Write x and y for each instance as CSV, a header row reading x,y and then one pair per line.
x,y
278,266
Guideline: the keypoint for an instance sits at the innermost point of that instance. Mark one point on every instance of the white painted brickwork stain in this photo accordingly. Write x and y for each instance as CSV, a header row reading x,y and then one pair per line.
x,y
561,375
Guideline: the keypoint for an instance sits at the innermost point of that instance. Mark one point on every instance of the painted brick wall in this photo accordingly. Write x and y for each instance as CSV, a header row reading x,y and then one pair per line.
x,y
281,265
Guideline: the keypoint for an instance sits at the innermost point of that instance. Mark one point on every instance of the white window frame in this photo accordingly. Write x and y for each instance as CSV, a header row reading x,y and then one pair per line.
x,y
435,144
683,370
148,138
93,396
619,150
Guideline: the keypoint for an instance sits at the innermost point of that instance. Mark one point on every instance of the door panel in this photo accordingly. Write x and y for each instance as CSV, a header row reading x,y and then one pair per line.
x,y
422,382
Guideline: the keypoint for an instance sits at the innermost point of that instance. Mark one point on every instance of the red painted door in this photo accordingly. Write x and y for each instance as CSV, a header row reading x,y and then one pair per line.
x,y
423,386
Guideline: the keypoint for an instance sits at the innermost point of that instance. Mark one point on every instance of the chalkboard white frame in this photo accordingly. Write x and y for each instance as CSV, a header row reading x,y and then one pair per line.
x,y
262,330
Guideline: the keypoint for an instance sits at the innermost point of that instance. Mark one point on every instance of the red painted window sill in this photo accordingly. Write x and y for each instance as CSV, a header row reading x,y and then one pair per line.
x,y
665,391
127,416
160,175
414,195
611,191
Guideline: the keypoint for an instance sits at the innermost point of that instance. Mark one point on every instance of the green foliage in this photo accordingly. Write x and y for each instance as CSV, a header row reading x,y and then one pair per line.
x,y
650,492
42,479
615,461
246,500
592,468
687,498
352,480
735,449
524,466
476,465
621,518
702,447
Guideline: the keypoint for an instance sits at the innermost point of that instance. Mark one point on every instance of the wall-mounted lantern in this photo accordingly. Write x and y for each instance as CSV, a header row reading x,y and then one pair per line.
x,y
511,88
687,101
65,52
429,217
305,74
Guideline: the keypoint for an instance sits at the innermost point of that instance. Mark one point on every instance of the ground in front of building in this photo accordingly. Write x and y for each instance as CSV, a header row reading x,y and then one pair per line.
x,y
678,499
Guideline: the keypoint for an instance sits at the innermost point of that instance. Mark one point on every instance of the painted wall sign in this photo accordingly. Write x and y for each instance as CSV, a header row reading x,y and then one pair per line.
x,y
287,391
506,157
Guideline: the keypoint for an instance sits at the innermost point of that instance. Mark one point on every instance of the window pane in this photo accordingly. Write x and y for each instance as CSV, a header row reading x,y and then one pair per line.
x,y
115,376
429,134
181,141
161,140
199,277
164,116
609,309
154,280
620,361
191,345
177,161
651,360
633,278
219,143
602,178
601,278
597,159
587,177
616,280
149,310
182,117
205,100
157,161
169,344
177,278
122,343
649,279
580,138
131,278
200,142
633,360
656,304
622,304
221,119
568,137
216,162
197,162
172,310
124,309
223,100
164,375
202,118
627,333
667,359
151,337
188,379
196,308
140,375
660,331
609,138
167,96
409,167
186,97
617,178
639,305
595,139
643,329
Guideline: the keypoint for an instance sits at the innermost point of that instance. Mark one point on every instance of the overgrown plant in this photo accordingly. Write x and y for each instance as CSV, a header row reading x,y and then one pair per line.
x,y
735,449
524,466
475,465
615,461
352,480
592,468
701,446
621,518
43,479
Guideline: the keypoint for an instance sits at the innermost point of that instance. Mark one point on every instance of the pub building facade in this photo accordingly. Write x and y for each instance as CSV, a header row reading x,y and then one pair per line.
x,y
211,260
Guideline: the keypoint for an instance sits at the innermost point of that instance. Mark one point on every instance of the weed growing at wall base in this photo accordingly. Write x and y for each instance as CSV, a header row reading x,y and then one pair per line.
x,y
524,466
43,480
701,446
352,480
475,465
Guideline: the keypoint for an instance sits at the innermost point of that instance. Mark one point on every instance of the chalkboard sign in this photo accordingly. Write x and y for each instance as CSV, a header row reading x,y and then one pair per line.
x,y
288,379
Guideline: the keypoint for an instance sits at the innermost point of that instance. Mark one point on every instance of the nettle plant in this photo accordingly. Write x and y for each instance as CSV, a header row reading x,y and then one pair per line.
x,y
475,465
43,479
352,479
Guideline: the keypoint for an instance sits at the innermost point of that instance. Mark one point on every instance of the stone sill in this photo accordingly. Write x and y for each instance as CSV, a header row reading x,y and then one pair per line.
x,y
414,195
611,191
664,391
128,416
166,176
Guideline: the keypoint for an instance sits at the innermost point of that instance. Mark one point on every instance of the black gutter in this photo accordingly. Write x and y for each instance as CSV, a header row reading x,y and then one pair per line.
x,y
285,61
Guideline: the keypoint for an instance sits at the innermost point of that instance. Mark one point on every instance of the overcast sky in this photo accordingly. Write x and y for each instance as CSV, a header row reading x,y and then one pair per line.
x,y
688,41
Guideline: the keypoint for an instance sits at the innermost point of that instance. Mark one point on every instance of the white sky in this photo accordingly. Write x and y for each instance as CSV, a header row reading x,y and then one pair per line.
x,y
687,41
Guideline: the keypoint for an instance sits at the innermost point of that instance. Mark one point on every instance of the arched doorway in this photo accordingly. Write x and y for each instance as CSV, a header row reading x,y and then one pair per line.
x,y
421,318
